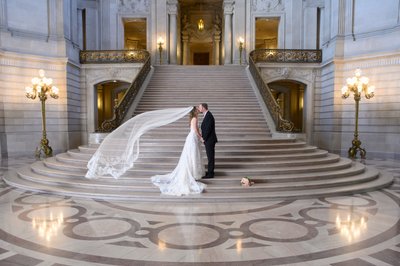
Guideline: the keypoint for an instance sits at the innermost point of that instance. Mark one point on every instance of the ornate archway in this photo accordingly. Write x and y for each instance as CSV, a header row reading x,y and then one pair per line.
x,y
201,32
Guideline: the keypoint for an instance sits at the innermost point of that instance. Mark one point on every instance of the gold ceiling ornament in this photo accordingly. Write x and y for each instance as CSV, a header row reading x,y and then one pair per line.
x,y
200,24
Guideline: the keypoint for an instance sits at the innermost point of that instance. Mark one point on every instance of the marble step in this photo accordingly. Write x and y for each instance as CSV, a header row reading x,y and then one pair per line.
x,y
184,130
227,187
76,157
344,170
282,168
226,106
223,142
249,193
54,168
177,147
244,164
352,169
223,153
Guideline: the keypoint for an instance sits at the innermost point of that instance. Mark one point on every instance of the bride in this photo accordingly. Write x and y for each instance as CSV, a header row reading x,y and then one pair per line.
x,y
182,180
120,149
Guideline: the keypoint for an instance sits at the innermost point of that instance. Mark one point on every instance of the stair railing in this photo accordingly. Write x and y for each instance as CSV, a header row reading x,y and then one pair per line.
x,y
286,56
272,105
278,56
120,56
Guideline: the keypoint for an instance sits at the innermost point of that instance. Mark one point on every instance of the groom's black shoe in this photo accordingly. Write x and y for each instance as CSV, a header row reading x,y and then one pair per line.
x,y
207,176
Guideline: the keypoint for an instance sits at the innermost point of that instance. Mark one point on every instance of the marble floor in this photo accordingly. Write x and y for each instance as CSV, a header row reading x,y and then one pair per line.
x,y
49,230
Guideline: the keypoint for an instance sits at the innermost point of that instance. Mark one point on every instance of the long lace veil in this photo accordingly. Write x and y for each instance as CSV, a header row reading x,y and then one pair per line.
x,y
120,149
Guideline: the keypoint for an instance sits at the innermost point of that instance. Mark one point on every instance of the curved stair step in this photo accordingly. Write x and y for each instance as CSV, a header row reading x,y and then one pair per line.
x,y
209,196
41,170
283,168
231,187
76,157
56,169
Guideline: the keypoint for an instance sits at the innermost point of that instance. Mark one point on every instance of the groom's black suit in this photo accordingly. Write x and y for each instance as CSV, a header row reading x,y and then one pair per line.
x,y
210,138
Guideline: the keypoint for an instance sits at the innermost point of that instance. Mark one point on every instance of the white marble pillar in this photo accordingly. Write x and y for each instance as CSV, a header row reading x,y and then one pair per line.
x,y
74,23
341,18
185,41
172,11
3,14
228,11
217,39
309,28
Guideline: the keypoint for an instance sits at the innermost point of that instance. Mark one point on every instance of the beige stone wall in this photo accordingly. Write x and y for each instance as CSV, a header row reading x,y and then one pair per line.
x,y
21,117
351,40
379,124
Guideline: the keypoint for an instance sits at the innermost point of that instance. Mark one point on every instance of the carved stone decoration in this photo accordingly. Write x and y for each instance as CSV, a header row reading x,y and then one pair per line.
x,y
300,74
314,3
270,73
217,25
285,72
97,74
303,74
190,31
172,6
228,7
267,5
134,6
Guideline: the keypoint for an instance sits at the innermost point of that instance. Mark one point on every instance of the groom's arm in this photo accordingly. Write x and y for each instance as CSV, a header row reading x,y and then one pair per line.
x,y
208,127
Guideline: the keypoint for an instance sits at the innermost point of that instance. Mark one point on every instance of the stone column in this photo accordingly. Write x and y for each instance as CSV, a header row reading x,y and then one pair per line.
x,y
3,14
185,41
228,11
217,39
172,11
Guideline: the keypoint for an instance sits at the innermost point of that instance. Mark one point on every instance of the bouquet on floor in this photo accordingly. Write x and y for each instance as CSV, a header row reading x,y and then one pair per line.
x,y
246,182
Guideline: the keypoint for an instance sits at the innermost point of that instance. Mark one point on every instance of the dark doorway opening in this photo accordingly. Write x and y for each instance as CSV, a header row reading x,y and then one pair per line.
x,y
201,58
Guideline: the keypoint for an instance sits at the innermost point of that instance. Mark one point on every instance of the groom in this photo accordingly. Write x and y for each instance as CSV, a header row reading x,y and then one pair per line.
x,y
209,138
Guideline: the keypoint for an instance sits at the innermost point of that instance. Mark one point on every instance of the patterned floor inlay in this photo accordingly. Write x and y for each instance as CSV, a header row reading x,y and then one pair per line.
x,y
42,229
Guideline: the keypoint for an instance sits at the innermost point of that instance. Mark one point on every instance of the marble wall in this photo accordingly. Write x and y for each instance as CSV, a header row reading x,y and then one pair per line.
x,y
373,46
33,36
347,44
48,35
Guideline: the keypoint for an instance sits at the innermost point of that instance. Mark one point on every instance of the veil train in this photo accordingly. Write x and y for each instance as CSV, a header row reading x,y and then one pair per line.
x,y
120,149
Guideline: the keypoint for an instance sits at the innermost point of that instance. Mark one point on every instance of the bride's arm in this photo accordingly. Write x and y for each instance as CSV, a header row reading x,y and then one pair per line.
x,y
194,125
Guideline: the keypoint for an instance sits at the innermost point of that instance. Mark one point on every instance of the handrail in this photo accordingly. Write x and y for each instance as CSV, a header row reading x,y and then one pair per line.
x,y
286,56
120,56
122,107
278,56
272,105
113,56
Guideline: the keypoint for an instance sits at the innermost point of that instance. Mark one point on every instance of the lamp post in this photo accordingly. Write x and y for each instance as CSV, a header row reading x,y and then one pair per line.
x,y
357,85
41,88
241,42
160,44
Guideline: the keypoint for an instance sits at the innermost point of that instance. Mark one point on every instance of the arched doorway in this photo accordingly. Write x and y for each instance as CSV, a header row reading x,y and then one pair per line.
x,y
290,97
201,33
108,95
135,33
266,32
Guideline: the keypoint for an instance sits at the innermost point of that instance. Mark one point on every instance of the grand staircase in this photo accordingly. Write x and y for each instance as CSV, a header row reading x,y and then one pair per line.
x,y
281,168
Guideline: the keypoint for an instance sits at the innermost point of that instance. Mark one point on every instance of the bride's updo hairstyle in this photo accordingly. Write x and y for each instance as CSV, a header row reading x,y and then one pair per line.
x,y
193,113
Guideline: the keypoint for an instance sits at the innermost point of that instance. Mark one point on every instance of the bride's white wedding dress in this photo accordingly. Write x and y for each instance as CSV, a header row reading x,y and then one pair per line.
x,y
119,151
182,180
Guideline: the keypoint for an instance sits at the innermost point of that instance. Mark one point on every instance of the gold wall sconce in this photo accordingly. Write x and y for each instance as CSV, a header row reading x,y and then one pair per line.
x,y
160,47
